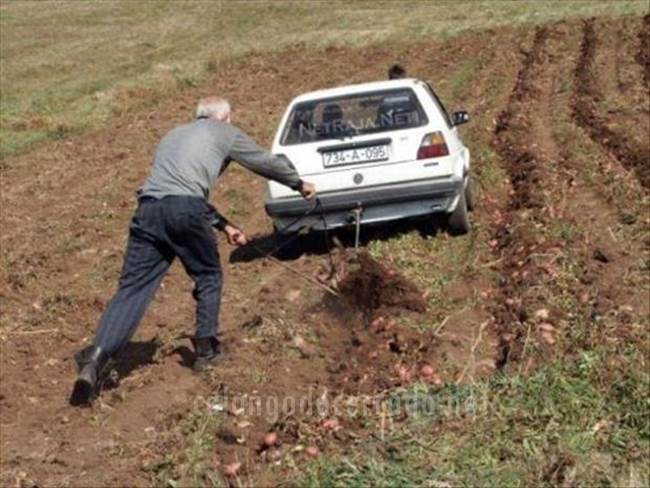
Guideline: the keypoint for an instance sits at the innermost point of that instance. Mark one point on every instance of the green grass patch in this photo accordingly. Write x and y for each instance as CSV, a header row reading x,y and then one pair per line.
x,y
191,462
465,73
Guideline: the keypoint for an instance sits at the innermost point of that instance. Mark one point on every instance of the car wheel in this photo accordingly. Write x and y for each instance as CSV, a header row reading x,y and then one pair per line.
x,y
458,221
469,195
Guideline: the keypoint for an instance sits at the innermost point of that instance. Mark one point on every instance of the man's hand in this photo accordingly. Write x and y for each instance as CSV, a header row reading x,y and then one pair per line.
x,y
307,190
236,237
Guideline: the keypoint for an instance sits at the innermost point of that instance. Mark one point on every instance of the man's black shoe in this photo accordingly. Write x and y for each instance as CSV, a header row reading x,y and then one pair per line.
x,y
208,353
91,362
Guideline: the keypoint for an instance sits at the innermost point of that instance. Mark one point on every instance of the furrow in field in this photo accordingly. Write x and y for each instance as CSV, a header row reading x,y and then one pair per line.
x,y
520,161
511,242
565,265
624,101
596,294
631,155
601,210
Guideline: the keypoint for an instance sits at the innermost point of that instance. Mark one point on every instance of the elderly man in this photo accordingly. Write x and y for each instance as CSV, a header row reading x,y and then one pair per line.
x,y
174,219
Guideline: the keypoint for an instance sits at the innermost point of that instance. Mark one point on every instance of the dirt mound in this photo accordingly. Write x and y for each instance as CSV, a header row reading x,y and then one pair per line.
x,y
373,288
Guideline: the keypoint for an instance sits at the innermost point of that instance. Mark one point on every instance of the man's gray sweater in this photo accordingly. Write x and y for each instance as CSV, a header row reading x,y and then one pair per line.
x,y
189,159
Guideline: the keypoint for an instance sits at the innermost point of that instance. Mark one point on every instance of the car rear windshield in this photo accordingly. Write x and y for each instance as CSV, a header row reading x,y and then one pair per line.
x,y
350,115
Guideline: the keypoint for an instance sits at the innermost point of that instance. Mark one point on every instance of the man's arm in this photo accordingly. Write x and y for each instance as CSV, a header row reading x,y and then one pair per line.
x,y
262,162
217,220
234,234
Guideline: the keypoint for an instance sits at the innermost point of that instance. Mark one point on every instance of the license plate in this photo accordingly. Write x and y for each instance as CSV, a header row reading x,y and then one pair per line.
x,y
354,156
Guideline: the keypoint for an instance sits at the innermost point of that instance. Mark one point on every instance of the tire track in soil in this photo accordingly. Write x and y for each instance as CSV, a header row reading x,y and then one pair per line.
x,y
633,157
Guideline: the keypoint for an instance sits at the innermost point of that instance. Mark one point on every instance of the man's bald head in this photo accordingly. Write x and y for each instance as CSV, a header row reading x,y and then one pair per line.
x,y
213,107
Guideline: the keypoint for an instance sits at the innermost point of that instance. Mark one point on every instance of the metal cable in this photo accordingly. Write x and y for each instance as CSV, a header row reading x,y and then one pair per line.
x,y
269,255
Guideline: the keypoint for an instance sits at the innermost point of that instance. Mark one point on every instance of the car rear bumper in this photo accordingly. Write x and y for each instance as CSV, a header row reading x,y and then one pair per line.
x,y
378,204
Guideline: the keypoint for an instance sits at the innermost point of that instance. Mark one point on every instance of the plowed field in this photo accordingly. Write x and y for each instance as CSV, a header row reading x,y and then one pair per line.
x,y
557,264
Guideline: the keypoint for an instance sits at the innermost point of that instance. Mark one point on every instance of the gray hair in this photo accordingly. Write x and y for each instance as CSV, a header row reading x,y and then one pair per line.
x,y
213,107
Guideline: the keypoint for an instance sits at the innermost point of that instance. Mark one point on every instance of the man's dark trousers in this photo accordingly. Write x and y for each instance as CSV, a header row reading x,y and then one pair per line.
x,y
160,231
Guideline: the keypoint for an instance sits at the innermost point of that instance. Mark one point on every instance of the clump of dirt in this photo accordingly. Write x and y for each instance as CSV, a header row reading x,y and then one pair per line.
x,y
372,288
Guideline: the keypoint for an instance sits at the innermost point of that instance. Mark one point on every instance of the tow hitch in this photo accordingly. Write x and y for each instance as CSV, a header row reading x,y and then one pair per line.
x,y
355,216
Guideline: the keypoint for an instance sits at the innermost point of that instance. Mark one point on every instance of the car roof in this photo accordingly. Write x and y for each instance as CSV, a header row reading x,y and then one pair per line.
x,y
358,88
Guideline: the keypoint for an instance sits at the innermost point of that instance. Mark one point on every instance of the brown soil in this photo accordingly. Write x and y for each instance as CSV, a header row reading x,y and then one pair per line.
x,y
624,104
66,209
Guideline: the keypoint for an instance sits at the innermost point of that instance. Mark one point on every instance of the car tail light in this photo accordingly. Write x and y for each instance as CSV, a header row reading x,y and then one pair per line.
x,y
433,146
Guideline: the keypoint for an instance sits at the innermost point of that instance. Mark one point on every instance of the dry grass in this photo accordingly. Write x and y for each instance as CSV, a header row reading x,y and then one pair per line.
x,y
67,65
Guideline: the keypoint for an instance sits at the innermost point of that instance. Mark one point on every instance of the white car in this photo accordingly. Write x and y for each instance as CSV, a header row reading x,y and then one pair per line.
x,y
376,152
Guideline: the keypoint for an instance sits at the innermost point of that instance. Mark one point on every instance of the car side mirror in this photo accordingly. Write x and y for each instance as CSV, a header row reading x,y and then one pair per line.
x,y
461,117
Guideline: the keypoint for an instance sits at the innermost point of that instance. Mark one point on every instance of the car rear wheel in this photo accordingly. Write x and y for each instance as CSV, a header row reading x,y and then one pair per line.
x,y
469,195
458,221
